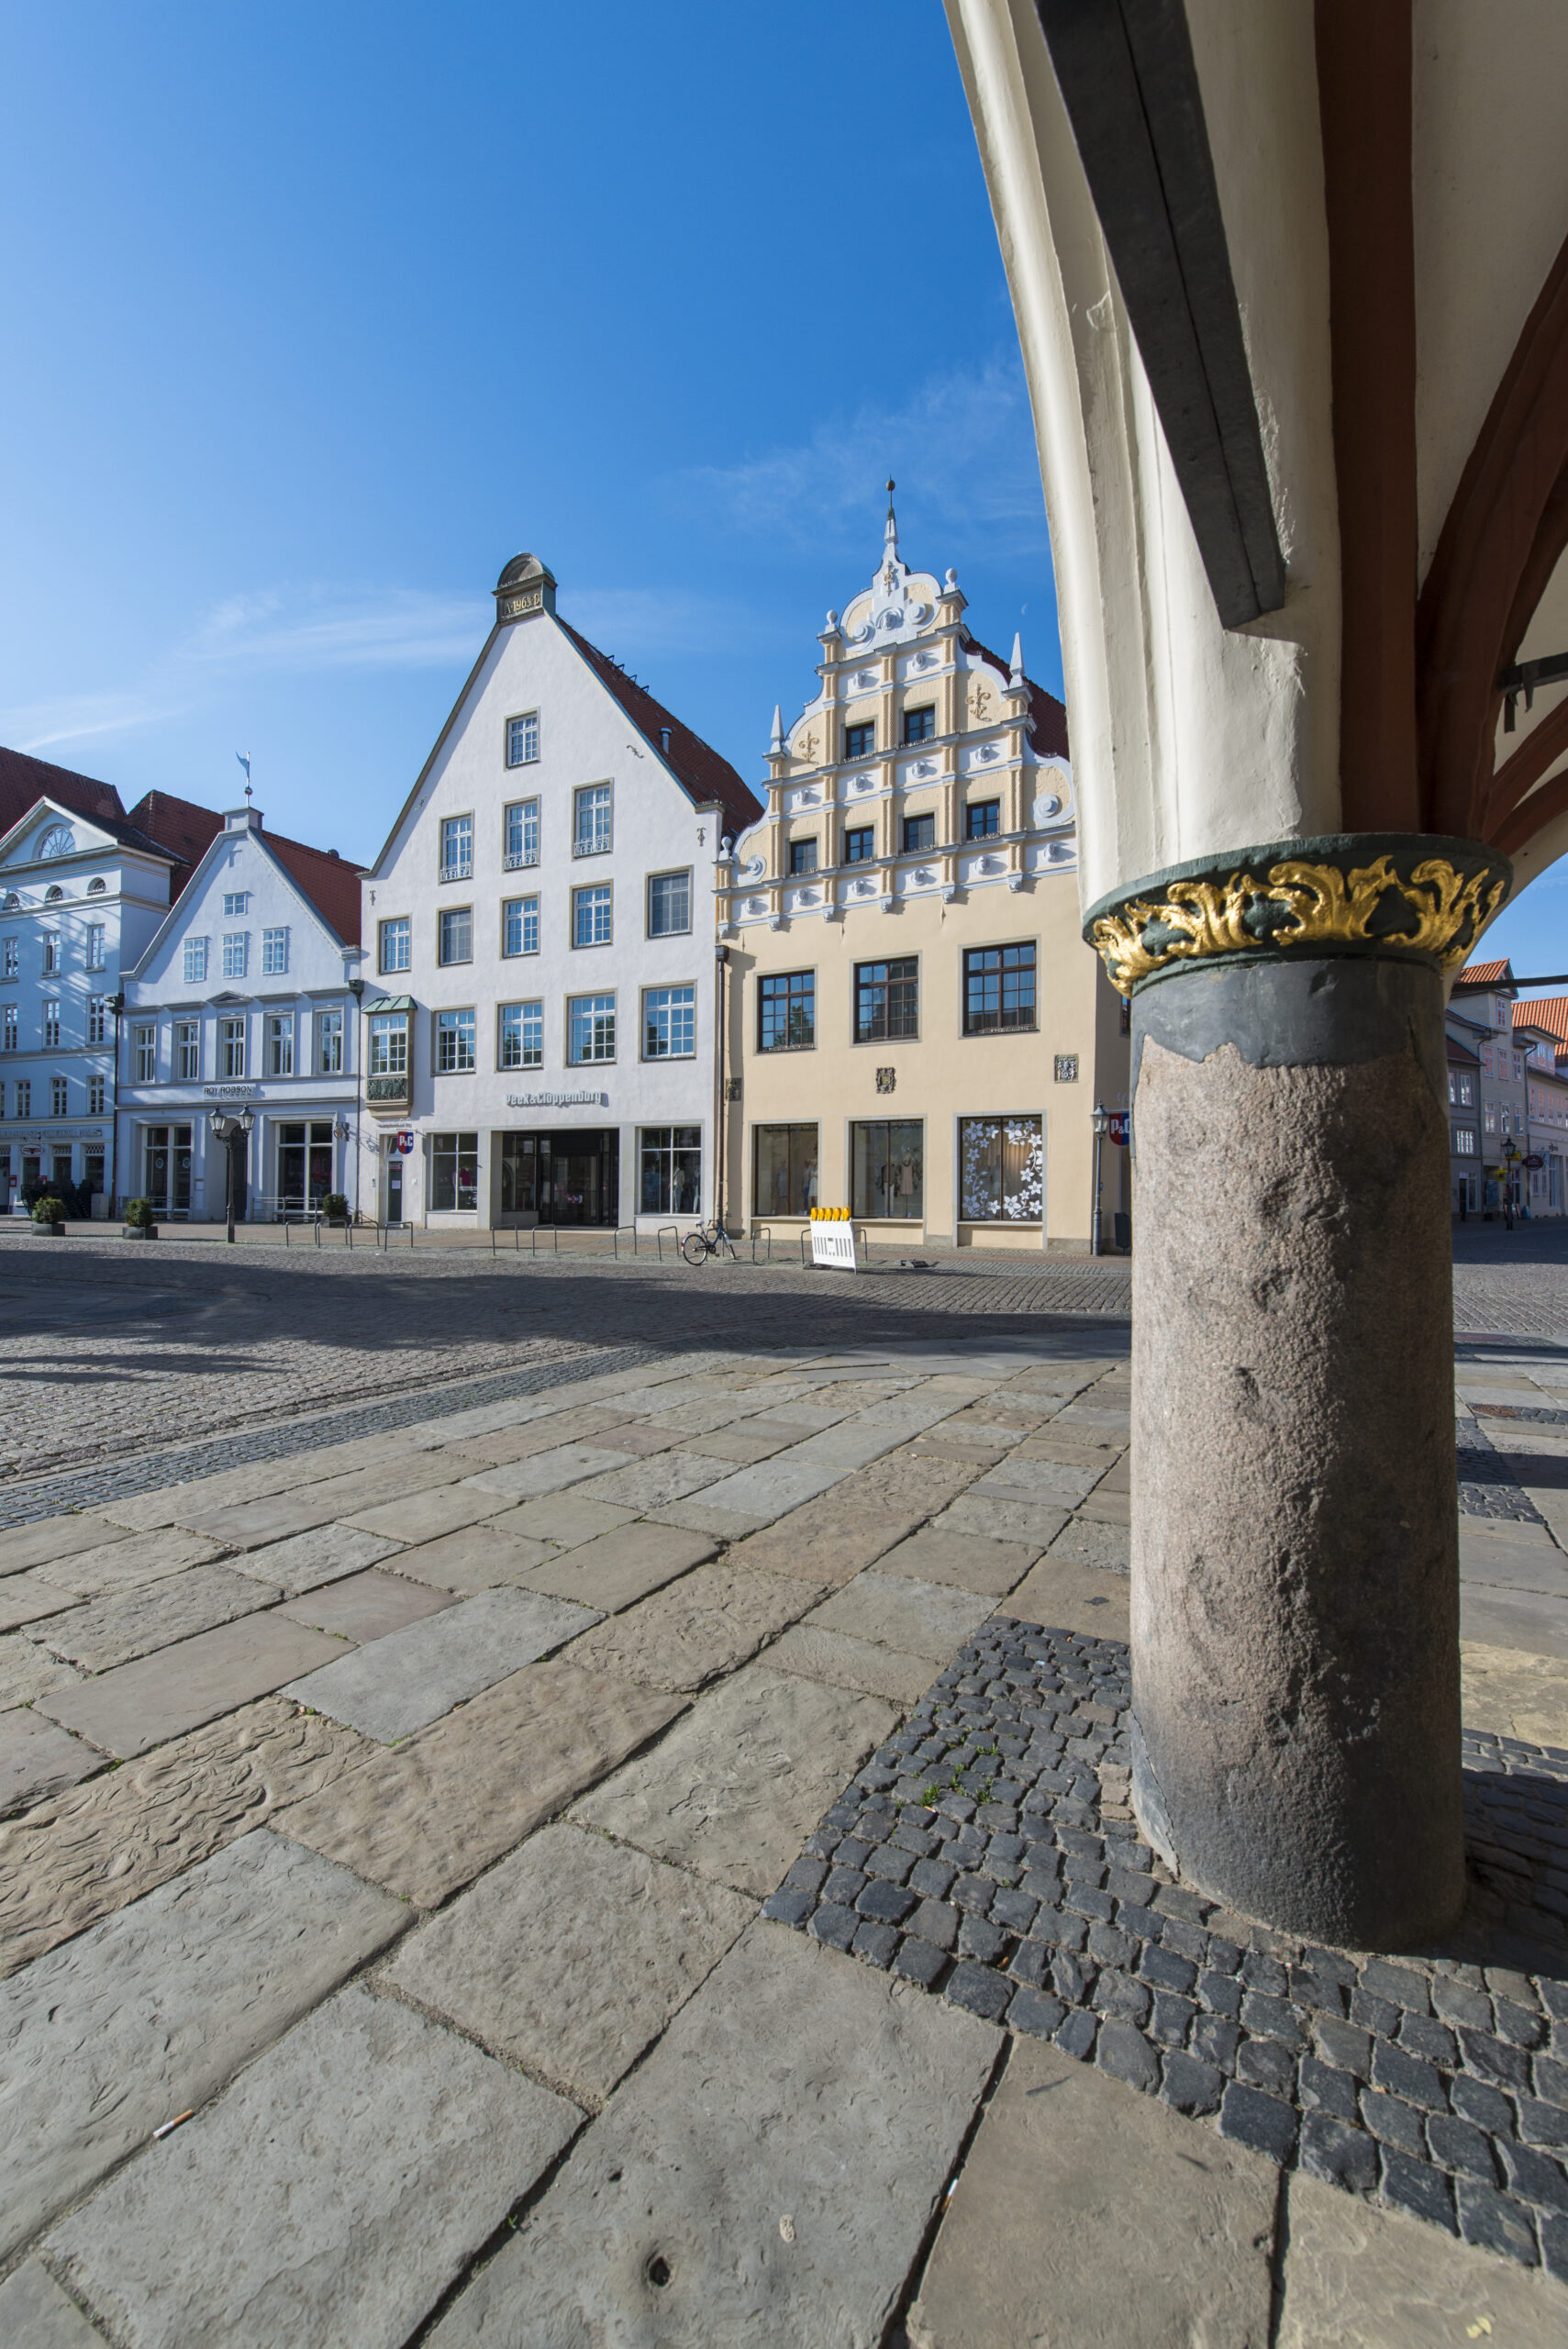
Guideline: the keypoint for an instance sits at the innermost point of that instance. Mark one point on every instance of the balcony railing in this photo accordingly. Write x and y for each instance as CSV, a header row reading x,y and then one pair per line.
x,y
387,1092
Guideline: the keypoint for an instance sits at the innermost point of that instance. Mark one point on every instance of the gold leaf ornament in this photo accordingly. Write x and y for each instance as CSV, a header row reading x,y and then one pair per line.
x,y
1438,911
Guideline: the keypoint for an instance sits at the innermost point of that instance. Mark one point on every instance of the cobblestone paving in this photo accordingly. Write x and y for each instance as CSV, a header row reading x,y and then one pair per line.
x,y
26,1501
102,1345
1487,1484
988,1852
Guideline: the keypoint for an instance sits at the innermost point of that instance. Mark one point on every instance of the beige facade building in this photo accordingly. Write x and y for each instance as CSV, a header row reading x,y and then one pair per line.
x,y
914,1027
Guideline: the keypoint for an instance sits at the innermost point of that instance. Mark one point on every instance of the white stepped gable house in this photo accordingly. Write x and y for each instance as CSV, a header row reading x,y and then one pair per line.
x,y
540,1029
79,898
244,1003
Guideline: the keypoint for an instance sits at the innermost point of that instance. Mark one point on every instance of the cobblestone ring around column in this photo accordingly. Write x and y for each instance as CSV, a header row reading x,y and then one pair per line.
x,y
1406,895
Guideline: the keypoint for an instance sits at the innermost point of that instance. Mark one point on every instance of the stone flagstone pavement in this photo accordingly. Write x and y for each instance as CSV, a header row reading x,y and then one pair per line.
x,y
417,1824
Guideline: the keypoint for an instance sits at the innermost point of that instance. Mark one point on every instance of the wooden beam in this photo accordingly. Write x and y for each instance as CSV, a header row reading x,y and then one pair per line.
x,y
1363,98
1126,72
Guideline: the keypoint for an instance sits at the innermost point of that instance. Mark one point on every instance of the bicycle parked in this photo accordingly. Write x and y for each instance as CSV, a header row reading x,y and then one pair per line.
x,y
705,1240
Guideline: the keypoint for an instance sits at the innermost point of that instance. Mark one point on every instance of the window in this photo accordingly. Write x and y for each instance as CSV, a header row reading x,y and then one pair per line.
x,y
1461,1088
786,1180
231,1047
519,926
389,1044
522,739
195,961
8,1034
52,896
144,1048
886,1001
860,741
95,1109
888,1177
786,1012
10,961
236,905
50,951
98,1019
1489,1117
94,946
330,1043
454,1171
1001,1170
521,1038
671,1170
235,953
669,1023
982,819
457,848
591,819
591,1028
669,903
57,1096
920,835
454,1043
521,834
859,844
803,856
52,1026
456,936
24,1097
920,724
187,1051
280,1043
591,917
1466,1142
395,942
998,988
96,888
274,953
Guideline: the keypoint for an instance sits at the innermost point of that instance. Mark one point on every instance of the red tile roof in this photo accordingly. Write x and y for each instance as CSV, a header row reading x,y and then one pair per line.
x,y
702,774
24,780
330,883
1549,1011
1047,715
1486,975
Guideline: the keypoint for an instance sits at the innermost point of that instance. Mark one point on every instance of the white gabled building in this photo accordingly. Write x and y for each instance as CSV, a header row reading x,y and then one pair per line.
x,y
80,897
243,1001
540,926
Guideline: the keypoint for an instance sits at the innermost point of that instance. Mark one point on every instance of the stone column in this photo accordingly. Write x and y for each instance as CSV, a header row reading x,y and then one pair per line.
x,y
1295,1542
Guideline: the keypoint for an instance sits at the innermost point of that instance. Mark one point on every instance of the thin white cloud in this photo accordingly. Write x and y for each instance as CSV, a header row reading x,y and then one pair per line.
x,y
321,628
77,719
960,446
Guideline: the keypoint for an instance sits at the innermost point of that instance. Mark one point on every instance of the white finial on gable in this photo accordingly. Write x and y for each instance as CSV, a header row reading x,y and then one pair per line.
x,y
1017,679
775,748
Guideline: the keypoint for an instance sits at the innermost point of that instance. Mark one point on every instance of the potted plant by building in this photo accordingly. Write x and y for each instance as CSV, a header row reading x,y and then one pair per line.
x,y
49,1219
335,1207
138,1223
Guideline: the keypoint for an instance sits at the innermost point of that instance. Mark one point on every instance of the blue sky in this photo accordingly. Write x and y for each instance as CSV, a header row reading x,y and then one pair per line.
x,y
317,315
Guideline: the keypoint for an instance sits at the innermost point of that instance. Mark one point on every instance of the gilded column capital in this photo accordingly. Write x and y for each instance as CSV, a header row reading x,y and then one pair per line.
x,y
1407,895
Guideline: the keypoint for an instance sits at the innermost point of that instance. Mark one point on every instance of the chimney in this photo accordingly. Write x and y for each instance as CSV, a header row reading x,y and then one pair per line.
x,y
664,739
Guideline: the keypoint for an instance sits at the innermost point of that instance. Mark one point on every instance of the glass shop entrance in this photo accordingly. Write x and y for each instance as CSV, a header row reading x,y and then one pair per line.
x,y
565,1178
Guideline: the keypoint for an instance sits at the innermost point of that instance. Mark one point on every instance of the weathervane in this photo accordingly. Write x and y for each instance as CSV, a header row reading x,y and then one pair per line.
x,y
244,758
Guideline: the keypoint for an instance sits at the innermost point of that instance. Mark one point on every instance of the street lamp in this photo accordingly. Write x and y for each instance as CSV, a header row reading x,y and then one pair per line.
x,y
1101,1121
357,989
224,1130
1511,1156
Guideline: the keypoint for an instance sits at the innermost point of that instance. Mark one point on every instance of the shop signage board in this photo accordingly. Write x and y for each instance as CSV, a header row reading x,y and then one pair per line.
x,y
1120,1126
1535,1162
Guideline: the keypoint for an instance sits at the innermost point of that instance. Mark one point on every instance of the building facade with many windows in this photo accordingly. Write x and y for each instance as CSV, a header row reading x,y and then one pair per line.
x,y
243,1003
80,897
540,935
915,1029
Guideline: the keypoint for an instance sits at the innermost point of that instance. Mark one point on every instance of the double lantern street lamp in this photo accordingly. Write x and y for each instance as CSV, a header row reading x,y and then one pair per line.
x,y
224,1129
